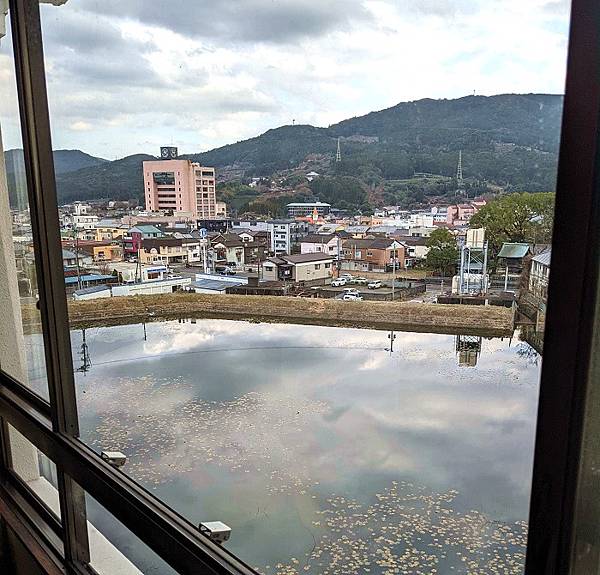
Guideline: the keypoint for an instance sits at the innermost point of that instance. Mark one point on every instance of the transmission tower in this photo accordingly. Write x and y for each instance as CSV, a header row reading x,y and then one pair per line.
x,y
338,154
459,175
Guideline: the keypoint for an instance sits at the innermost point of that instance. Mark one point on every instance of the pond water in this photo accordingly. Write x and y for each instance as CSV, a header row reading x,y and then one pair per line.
x,y
324,451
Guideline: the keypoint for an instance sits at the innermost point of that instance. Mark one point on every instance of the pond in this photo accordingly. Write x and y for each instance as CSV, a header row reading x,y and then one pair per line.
x,y
326,450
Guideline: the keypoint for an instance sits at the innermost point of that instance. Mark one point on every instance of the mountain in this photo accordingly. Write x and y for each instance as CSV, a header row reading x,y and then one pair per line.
x,y
117,180
509,141
65,161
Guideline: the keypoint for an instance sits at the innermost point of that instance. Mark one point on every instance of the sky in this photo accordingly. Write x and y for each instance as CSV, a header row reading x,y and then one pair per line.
x,y
127,76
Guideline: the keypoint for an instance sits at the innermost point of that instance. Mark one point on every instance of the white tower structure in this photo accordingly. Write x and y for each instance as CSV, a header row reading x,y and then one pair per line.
x,y
473,263
459,174
338,154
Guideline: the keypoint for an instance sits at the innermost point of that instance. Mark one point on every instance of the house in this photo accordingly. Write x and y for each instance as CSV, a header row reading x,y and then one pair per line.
x,y
70,259
511,257
169,250
134,237
320,243
372,254
228,248
539,275
103,251
301,268
416,249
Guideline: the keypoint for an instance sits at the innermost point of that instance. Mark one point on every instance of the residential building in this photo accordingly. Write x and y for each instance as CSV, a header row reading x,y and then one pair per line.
x,y
280,236
103,251
180,185
252,225
539,275
132,240
169,250
109,230
84,221
297,209
372,254
228,248
416,249
320,243
301,268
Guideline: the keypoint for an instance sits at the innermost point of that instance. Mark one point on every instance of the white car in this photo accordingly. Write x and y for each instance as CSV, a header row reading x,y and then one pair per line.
x,y
351,291
352,297
374,284
347,277
360,281
339,282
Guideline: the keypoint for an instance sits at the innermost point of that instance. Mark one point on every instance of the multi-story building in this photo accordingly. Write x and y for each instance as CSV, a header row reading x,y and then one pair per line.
x,y
169,250
320,243
133,239
181,186
372,254
281,236
298,209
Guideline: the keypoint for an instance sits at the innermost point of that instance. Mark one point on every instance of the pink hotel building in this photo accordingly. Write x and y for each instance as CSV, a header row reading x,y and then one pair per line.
x,y
181,186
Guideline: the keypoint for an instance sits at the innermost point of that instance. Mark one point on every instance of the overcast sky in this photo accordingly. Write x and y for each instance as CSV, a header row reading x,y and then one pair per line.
x,y
128,76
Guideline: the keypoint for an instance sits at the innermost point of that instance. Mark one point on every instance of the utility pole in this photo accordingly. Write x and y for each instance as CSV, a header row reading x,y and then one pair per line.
x,y
76,245
86,362
391,337
393,275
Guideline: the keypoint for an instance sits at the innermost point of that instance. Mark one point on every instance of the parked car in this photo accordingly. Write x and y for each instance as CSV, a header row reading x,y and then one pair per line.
x,y
350,291
225,270
351,297
374,284
339,282
346,276
360,281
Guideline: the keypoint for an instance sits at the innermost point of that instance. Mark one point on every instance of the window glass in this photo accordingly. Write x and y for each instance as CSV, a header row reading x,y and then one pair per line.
x,y
115,549
21,342
376,412
35,469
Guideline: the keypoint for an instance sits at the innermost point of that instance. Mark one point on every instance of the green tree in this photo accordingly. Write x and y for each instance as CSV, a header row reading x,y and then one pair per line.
x,y
443,252
518,217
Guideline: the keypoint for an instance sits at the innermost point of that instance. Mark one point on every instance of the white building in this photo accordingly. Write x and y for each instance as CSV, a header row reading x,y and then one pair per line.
x,y
280,233
320,243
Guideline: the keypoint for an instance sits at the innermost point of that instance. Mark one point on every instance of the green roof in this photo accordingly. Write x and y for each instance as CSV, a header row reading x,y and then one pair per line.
x,y
514,250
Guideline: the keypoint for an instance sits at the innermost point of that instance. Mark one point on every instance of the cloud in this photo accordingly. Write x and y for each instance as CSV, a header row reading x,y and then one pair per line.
x,y
139,73
280,22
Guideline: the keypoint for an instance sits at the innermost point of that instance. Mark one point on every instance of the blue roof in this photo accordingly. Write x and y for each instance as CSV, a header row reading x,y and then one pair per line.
x,y
88,278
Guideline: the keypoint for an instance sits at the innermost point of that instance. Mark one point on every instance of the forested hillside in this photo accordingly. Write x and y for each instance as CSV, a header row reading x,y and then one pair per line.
x,y
508,141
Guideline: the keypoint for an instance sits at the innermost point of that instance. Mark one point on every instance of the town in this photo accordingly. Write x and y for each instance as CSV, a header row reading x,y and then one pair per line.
x,y
184,240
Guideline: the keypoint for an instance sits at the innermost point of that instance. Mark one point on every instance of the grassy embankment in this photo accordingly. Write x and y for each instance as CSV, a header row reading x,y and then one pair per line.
x,y
452,319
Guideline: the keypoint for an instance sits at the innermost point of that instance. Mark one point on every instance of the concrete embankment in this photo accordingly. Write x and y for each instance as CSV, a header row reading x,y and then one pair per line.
x,y
452,319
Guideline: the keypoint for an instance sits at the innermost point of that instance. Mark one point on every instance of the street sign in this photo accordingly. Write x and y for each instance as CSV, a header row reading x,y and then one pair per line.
x,y
203,233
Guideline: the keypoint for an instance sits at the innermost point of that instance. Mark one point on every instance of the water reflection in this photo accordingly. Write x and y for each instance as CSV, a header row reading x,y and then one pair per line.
x,y
321,446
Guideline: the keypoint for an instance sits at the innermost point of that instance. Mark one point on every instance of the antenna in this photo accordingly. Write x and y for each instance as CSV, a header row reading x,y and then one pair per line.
x,y
338,154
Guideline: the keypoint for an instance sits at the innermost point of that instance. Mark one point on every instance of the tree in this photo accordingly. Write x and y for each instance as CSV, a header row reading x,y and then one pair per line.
x,y
518,217
443,252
